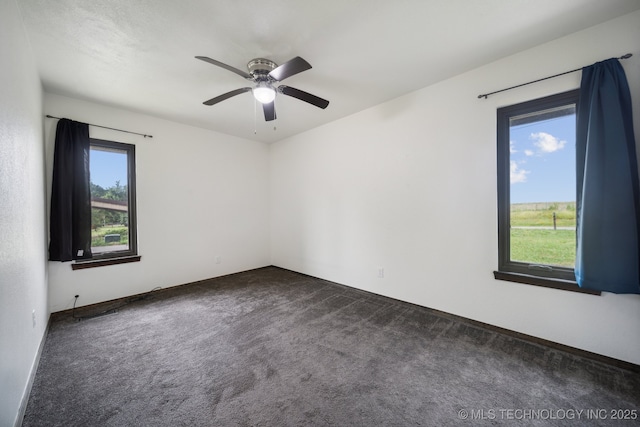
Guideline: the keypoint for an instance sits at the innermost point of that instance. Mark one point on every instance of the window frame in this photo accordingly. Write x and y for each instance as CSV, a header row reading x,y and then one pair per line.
x,y
109,258
541,275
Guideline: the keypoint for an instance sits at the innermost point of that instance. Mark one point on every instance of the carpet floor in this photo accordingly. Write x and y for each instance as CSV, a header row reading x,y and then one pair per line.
x,y
271,347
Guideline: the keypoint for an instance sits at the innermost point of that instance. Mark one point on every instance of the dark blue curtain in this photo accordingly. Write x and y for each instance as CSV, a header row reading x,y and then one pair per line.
x,y
608,199
70,219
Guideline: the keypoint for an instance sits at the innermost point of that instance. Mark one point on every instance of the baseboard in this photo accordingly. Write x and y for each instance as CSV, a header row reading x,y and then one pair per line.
x,y
34,368
610,361
584,354
118,302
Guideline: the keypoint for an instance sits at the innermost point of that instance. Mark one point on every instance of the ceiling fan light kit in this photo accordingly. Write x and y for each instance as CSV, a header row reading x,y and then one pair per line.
x,y
265,74
264,93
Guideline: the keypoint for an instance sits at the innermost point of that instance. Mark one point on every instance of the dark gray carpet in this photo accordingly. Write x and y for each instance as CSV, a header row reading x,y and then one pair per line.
x,y
270,347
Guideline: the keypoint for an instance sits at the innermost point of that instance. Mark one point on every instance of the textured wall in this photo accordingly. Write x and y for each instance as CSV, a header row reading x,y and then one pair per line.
x,y
200,195
410,186
23,278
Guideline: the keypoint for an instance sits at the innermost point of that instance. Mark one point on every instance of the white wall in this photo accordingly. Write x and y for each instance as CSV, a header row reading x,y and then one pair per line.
x,y
200,194
410,186
23,277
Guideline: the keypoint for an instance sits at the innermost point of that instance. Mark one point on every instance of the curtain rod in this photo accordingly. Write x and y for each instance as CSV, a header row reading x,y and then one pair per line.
x,y
486,95
106,127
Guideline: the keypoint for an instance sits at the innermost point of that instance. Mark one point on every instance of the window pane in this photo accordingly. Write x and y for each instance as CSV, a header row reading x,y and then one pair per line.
x,y
109,200
543,187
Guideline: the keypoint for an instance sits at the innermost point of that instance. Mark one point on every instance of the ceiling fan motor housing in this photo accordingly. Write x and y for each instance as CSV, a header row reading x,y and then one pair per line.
x,y
259,68
266,74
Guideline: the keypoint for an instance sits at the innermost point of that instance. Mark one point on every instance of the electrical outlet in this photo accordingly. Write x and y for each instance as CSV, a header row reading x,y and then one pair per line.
x,y
33,318
381,272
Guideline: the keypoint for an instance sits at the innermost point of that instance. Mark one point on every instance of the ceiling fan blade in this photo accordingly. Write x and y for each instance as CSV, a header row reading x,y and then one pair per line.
x,y
269,111
226,67
227,95
304,96
289,68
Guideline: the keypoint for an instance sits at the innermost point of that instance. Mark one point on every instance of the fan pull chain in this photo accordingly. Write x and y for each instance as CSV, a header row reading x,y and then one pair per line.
x,y
255,125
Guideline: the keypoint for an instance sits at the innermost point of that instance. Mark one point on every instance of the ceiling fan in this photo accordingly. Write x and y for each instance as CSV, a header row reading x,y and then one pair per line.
x,y
266,75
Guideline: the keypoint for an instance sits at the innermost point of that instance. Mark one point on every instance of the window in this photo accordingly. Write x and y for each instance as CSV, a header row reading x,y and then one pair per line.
x,y
113,201
537,191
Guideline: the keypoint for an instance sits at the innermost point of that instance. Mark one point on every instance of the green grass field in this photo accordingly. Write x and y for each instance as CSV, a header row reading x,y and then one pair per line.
x,y
542,218
551,247
544,245
97,236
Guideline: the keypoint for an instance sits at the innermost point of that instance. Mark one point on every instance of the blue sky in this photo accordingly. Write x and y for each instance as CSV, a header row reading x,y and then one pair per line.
x,y
543,161
107,167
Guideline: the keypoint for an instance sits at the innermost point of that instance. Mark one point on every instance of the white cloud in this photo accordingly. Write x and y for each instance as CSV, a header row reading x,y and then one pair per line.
x,y
511,149
547,143
529,152
516,174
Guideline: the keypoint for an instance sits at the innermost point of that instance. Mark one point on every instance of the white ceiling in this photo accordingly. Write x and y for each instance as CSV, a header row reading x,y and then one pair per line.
x,y
139,54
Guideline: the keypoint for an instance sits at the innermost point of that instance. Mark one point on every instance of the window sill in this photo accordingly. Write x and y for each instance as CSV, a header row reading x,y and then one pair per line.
x,y
565,285
104,262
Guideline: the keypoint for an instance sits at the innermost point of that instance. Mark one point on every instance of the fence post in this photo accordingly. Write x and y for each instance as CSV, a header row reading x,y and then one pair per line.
x,y
554,220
